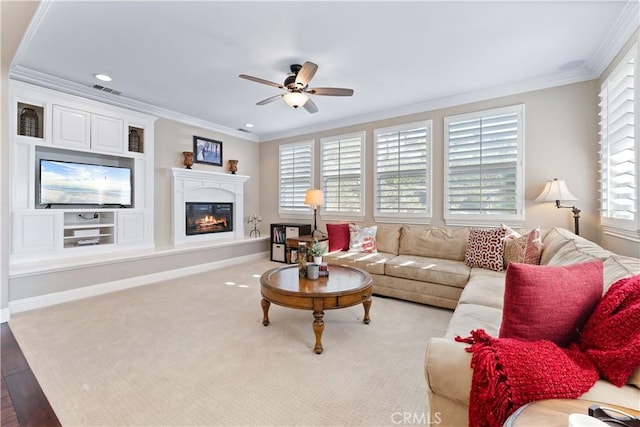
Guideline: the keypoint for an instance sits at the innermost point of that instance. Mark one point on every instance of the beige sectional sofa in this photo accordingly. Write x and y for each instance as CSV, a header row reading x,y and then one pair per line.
x,y
426,265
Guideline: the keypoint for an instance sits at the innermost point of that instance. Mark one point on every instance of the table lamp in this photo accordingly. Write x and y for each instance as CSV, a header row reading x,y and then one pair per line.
x,y
314,198
556,190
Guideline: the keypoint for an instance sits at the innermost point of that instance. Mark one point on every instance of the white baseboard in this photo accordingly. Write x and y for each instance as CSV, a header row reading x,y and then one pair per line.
x,y
32,303
5,315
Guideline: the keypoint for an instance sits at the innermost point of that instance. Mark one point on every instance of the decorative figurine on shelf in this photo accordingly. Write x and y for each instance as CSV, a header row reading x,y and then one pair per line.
x,y
233,166
254,220
188,159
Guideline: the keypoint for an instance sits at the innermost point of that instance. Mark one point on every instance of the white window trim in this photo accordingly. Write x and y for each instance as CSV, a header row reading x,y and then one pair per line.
x,y
346,216
627,229
424,219
487,220
286,213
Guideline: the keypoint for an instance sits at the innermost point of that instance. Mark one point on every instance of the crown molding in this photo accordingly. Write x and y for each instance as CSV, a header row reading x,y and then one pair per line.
x,y
620,33
37,78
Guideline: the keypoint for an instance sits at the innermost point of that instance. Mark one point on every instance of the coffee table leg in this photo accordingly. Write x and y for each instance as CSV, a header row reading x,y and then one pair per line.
x,y
367,305
318,328
265,311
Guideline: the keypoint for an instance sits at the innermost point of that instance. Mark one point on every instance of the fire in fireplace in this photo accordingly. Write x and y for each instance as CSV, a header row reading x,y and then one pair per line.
x,y
204,218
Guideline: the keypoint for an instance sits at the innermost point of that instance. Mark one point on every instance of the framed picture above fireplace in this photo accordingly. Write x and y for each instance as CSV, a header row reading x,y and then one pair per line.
x,y
208,151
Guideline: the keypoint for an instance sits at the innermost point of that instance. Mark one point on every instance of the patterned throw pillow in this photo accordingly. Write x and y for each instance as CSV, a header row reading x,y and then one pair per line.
x,y
485,249
523,249
363,239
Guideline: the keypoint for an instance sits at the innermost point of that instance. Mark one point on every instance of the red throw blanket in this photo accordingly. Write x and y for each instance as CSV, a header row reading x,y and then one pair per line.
x,y
508,373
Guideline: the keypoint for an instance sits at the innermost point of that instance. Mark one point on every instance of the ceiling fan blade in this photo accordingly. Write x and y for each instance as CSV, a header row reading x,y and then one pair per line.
x,y
330,91
259,80
269,100
310,106
306,73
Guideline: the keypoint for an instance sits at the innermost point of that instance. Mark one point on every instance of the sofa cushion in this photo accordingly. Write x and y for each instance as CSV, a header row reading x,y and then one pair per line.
x,y
388,238
445,243
552,242
569,254
484,289
434,270
468,317
362,239
485,249
549,302
339,237
615,268
370,262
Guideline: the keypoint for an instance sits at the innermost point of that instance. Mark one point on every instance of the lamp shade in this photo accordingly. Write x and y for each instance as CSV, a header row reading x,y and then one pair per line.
x,y
555,189
295,99
314,197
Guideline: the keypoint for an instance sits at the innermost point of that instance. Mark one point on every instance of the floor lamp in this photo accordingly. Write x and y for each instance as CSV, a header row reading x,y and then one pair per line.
x,y
556,190
314,198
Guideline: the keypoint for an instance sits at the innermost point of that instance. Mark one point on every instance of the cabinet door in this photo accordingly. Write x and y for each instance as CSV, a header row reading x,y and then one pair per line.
x,y
107,134
131,227
71,127
36,232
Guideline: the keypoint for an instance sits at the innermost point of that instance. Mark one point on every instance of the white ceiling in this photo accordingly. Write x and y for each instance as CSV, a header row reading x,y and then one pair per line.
x,y
182,59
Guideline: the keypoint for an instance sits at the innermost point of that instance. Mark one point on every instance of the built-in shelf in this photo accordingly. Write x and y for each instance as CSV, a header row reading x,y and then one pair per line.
x,y
88,228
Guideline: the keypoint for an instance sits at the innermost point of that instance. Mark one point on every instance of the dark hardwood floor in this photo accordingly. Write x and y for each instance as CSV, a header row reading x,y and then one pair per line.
x,y
23,402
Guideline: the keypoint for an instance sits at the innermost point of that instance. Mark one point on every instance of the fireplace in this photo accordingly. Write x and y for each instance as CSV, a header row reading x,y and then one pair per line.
x,y
205,187
208,217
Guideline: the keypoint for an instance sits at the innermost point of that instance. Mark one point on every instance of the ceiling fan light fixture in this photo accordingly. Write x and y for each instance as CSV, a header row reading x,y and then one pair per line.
x,y
295,99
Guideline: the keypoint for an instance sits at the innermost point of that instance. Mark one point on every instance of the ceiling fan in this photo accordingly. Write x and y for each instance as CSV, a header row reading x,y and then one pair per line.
x,y
297,86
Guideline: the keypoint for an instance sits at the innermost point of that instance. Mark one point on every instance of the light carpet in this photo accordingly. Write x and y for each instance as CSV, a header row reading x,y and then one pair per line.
x,y
194,351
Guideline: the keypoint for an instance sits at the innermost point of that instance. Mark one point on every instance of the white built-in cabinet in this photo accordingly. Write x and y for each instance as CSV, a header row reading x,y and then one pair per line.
x,y
72,128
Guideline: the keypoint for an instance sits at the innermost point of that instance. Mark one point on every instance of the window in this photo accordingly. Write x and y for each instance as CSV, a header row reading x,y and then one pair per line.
x,y
296,177
342,176
619,149
483,167
402,186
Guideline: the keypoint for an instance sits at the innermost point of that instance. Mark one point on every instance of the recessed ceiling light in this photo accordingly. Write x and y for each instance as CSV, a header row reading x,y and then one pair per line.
x,y
249,125
103,77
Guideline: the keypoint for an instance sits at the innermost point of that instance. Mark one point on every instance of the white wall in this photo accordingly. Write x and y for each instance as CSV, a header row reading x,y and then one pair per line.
x,y
561,141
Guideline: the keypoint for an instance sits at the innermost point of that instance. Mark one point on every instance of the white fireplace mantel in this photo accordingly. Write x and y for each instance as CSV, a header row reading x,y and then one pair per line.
x,y
190,185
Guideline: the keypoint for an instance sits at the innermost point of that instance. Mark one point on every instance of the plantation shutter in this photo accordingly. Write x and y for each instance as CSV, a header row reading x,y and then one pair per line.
x,y
342,181
619,146
483,165
296,176
402,176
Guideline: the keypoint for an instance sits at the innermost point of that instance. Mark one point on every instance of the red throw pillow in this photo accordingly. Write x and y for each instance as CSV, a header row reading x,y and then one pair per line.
x,y
552,303
339,237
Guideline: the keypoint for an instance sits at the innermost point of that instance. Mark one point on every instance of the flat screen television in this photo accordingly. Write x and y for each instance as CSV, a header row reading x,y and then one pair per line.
x,y
71,183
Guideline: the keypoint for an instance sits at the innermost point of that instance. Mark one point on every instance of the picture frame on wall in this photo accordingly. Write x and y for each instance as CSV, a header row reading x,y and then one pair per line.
x,y
207,151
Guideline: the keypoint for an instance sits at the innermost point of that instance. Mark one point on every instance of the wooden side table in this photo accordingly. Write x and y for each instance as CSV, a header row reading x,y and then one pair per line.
x,y
300,244
555,412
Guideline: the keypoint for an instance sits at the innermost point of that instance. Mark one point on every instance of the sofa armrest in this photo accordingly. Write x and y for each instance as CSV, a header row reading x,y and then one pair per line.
x,y
448,369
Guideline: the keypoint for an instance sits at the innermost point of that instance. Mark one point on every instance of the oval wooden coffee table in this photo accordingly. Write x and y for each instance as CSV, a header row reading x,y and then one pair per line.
x,y
344,287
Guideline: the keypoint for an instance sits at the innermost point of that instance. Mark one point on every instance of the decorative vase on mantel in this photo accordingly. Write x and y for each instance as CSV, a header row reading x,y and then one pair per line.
x,y
233,166
188,159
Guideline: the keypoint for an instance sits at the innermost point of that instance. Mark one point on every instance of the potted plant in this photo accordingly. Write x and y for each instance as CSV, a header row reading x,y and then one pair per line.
x,y
316,250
